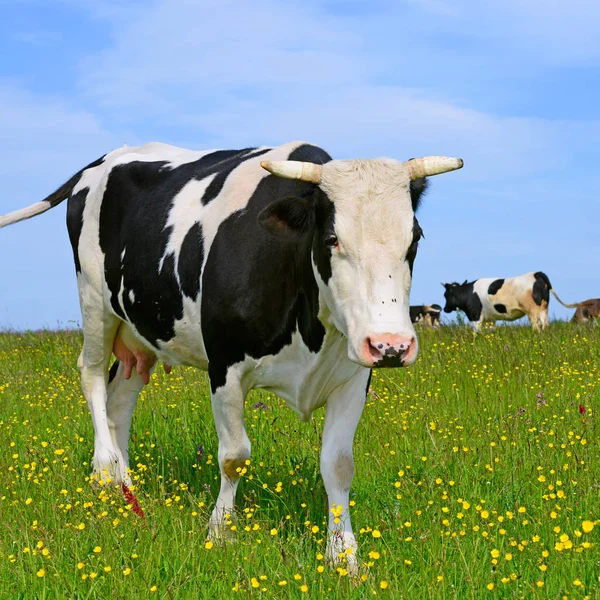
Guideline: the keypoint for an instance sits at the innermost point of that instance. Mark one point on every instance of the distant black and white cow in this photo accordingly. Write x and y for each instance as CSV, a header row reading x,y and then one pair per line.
x,y
273,268
507,299
427,314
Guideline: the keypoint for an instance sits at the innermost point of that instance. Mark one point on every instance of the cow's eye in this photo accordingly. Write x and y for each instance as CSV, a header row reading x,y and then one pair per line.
x,y
331,240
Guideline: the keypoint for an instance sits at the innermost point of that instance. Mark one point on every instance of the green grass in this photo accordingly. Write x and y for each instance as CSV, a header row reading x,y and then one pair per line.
x,y
481,447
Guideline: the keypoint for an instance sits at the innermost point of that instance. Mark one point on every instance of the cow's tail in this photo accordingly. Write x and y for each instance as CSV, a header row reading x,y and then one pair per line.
x,y
62,193
574,305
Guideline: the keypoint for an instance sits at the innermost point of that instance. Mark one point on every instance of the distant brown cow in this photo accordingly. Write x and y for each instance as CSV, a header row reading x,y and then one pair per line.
x,y
587,311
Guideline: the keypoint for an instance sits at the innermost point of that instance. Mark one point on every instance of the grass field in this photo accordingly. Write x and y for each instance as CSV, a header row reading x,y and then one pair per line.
x,y
477,476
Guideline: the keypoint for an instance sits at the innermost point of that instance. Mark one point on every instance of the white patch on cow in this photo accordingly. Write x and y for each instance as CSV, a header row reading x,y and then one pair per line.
x,y
186,210
369,290
131,296
123,254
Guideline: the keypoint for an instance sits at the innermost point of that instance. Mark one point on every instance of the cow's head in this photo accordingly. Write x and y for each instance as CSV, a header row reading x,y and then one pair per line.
x,y
361,218
455,295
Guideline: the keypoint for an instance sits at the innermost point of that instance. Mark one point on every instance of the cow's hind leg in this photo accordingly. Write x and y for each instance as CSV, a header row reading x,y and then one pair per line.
x,y
121,401
344,408
234,450
99,331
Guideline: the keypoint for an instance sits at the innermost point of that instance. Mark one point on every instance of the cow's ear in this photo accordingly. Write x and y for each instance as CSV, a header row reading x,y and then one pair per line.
x,y
287,217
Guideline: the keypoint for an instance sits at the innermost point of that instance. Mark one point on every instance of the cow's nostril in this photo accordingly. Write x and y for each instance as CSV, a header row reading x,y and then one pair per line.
x,y
380,346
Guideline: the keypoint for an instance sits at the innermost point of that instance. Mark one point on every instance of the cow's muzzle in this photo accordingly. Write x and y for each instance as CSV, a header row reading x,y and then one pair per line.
x,y
389,350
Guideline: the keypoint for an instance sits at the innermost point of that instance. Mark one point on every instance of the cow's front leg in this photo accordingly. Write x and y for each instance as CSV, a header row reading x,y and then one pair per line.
x,y
344,408
234,451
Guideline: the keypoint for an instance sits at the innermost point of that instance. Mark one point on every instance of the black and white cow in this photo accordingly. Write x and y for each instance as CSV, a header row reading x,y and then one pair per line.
x,y
495,299
428,314
275,268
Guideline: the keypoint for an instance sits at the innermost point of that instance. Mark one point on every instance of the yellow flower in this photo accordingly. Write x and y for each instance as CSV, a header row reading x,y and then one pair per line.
x,y
383,584
126,571
97,549
587,526
490,586
80,565
374,555
522,509
578,583
304,588
273,531
208,545
28,501
41,573
315,529
539,583
254,582
375,533
495,553
107,569
283,582
508,556
153,589
484,514
93,575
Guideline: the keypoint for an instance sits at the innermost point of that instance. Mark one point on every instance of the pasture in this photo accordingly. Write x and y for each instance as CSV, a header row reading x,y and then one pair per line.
x,y
477,476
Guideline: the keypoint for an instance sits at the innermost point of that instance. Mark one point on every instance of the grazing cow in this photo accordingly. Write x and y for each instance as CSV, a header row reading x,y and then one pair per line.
x,y
502,299
427,314
275,268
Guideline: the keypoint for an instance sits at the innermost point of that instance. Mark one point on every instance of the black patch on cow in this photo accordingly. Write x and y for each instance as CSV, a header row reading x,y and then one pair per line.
x,y
411,253
369,381
133,221
228,160
191,257
541,288
495,286
113,370
418,189
324,211
258,288
416,313
436,307
500,308
463,297
75,208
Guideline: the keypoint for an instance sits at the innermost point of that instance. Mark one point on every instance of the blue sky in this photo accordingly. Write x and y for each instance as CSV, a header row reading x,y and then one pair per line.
x,y
512,87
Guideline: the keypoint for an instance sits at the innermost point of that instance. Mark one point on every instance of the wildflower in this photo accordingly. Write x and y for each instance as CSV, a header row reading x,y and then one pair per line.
x,y
490,586
127,571
383,584
254,582
153,589
495,553
208,545
97,549
273,531
41,573
587,526
539,584
304,588
375,533
283,583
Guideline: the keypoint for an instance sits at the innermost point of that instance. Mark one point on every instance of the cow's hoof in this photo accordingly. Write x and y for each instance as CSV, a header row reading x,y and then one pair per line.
x,y
341,552
220,533
107,470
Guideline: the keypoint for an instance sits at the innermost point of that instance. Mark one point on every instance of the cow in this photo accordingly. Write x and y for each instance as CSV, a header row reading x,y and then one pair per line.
x,y
269,267
426,314
496,299
587,311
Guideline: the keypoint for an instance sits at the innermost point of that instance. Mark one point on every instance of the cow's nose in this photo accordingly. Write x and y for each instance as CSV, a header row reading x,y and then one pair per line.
x,y
388,350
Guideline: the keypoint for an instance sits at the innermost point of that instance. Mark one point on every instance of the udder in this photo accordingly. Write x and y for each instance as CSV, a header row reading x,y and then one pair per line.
x,y
134,355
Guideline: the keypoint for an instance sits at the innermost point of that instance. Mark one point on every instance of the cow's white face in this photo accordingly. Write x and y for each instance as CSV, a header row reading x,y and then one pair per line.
x,y
364,240
363,252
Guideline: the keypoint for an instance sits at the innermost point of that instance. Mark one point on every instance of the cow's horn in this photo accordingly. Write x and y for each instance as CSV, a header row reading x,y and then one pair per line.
x,y
432,165
294,169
